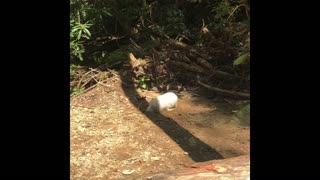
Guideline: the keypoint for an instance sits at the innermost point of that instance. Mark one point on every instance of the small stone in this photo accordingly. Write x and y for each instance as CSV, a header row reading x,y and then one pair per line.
x,y
127,172
155,158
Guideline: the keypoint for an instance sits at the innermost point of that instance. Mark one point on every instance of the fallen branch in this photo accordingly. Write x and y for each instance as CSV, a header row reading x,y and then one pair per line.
x,y
224,74
92,77
82,78
199,69
226,92
89,88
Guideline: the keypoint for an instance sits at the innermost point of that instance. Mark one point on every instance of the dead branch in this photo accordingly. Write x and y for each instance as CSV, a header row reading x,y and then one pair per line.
x,y
82,78
91,87
88,80
224,74
199,69
226,92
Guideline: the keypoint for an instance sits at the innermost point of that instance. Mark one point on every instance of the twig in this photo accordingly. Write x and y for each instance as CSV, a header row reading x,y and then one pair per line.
x,y
136,45
78,86
83,91
235,10
91,87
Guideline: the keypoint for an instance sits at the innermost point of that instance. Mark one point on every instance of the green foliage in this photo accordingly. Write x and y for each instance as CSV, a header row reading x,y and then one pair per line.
x,y
75,91
143,82
78,32
106,19
230,21
88,10
76,49
73,69
175,22
81,13
104,16
245,58
222,10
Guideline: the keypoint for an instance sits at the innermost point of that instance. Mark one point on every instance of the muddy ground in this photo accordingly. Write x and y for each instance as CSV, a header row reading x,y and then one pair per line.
x,y
113,138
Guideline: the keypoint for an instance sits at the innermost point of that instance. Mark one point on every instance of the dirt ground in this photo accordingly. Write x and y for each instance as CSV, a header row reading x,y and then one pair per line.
x,y
113,138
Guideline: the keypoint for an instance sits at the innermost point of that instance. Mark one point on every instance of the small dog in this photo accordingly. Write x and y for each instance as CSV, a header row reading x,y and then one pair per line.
x,y
167,101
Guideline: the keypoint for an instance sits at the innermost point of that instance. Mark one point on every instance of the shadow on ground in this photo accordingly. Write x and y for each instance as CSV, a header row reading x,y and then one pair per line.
x,y
196,149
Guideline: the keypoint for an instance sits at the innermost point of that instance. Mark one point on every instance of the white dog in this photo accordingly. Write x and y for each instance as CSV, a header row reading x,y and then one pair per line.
x,y
167,101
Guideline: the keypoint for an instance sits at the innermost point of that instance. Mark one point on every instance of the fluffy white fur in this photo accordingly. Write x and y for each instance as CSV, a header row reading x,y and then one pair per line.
x,y
167,101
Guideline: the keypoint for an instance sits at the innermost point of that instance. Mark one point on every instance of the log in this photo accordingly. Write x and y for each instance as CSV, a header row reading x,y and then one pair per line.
x,y
231,168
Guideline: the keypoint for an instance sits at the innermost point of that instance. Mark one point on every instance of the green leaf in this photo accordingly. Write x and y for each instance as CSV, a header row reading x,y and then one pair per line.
x,y
87,31
80,57
79,35
109,14
144,86
74,29
88,25
242,59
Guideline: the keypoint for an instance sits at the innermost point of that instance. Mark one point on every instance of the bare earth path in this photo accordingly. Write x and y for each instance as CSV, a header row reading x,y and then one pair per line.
x,y
113,139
